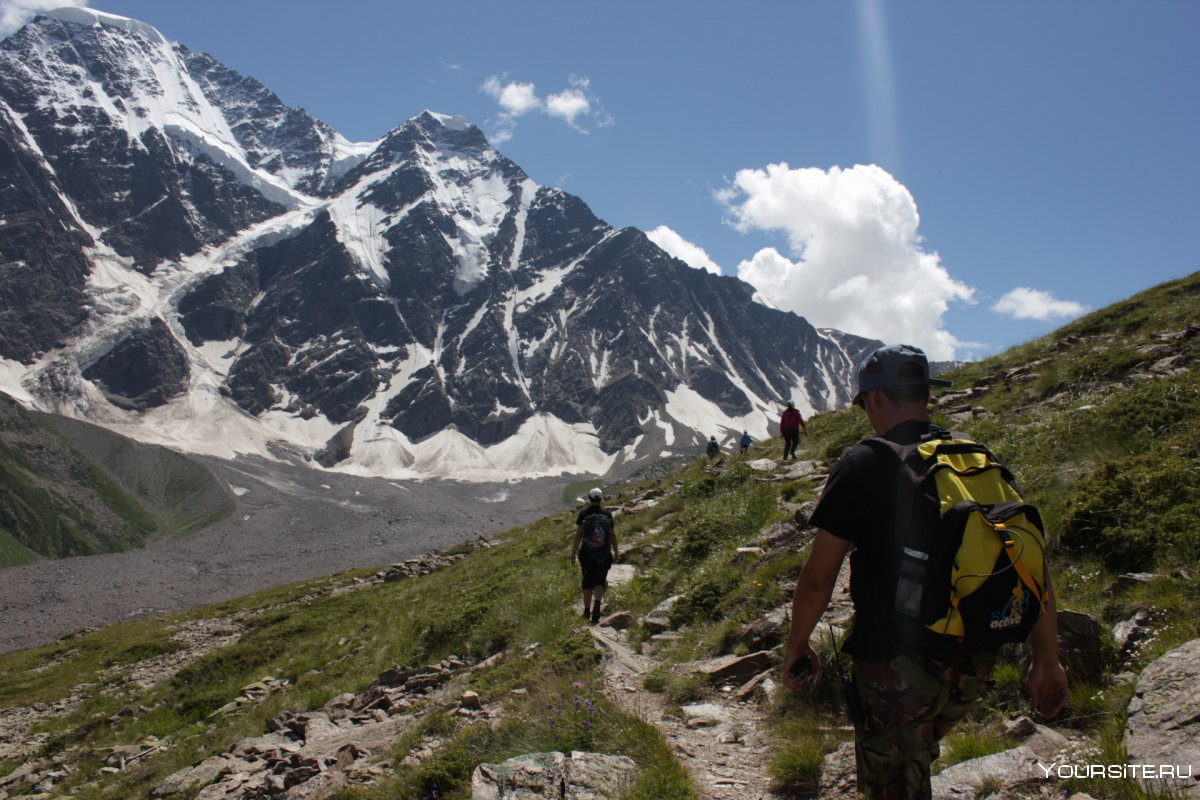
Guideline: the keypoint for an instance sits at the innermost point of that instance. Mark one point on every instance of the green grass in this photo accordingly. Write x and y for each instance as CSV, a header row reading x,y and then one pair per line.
x,y
13,553
973,740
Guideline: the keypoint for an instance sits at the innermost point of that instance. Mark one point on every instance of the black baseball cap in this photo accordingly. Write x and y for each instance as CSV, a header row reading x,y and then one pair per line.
x,y
894,366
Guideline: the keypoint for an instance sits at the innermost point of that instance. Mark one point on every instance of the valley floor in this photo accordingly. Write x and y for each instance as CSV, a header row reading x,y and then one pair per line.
x,y
289,523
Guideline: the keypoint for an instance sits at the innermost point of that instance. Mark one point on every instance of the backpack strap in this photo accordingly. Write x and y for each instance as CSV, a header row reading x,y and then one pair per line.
x,y
998,516
918,468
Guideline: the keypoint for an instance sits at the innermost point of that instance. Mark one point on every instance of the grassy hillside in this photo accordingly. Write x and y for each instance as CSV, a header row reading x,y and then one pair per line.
x,y
1098,421
68,488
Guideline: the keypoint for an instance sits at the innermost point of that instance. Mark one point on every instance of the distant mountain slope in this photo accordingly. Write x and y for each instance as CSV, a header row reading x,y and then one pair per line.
x,y
189,261
69,488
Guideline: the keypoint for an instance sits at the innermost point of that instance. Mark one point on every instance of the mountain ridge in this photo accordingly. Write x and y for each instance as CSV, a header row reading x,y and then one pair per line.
x,y
411,307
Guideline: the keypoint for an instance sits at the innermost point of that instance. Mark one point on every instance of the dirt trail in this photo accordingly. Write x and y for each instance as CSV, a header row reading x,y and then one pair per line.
x,y
727,761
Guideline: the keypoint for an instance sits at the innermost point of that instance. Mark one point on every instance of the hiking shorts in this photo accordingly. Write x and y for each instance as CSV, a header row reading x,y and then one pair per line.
x,y
906,706
594,573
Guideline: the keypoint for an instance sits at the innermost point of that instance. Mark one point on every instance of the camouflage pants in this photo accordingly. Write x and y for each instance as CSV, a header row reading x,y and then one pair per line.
x,y
907,705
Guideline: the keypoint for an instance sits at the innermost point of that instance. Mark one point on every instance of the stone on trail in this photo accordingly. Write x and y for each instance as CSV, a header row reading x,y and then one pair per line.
x,y
554,776
620,574
704,715
731,669
659,618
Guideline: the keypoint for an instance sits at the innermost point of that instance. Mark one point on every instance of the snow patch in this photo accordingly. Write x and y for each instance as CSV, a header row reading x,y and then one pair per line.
x,y
451,121
688,408
90,17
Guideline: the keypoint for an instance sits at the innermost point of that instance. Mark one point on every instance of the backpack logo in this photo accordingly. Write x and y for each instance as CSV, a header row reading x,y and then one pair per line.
x,y
971,553
596,536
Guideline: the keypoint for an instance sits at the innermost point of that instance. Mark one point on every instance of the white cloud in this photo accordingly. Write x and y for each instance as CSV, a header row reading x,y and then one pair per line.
x,y
691,254
515,98
15,13
572,105
568,104
857,262
1026,303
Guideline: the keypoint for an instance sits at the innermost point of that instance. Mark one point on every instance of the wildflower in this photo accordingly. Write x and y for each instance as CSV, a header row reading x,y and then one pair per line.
x,y
577,684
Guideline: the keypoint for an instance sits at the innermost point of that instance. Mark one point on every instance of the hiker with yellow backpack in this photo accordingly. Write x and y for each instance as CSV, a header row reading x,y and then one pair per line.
x,y
948,563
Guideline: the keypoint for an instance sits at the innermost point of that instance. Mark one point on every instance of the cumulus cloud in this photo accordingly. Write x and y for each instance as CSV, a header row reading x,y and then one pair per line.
x,y
15,13
515,98
691,254
1026,303
856,261
573,104
568,104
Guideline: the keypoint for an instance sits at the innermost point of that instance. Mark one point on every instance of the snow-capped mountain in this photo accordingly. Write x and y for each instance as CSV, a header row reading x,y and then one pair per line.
x,y
188,261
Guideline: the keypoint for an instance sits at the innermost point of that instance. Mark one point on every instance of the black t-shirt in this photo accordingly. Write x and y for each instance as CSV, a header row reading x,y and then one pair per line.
x,y
584,550
859,504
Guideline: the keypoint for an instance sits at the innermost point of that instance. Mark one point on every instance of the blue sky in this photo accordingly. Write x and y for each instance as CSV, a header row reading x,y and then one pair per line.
x,y
963,176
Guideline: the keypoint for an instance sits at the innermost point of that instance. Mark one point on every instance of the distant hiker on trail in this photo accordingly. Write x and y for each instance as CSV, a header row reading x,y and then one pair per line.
x,y
915,674
790,423
714,448
746,440
595,548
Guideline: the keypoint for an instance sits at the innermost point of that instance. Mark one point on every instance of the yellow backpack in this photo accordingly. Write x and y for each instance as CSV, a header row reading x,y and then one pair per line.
x,y
971,562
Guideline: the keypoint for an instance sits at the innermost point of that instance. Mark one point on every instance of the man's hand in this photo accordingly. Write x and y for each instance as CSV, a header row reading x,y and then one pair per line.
x,y
1047,684
801,670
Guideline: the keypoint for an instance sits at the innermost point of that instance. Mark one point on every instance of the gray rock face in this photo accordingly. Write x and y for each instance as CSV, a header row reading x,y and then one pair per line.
x,y
1163,725
144,370
554,776
42,266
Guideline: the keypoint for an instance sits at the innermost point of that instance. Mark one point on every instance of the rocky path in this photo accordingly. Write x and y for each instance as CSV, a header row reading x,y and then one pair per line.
x,y
722,744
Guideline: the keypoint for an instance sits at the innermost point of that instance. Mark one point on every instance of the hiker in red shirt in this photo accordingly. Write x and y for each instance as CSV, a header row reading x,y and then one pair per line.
x,y
790,424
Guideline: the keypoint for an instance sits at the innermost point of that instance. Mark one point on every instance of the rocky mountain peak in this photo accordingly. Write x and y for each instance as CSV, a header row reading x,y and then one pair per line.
x,y
412,306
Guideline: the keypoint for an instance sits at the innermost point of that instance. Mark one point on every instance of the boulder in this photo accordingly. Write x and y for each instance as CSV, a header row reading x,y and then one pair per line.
x,y
554,776
620,574
1163,722
731,669
763,633
839,774
1002,771
778,533
659,618
803,469
704,715
1131,632
1131,580
621,620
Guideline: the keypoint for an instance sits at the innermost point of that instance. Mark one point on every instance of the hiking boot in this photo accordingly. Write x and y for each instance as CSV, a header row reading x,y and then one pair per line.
x,y
595,614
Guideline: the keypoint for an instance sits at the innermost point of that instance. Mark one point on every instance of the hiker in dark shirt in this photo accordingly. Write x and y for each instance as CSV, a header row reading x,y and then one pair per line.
x,y
745,441
595,548
713,449
903,696
790,423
